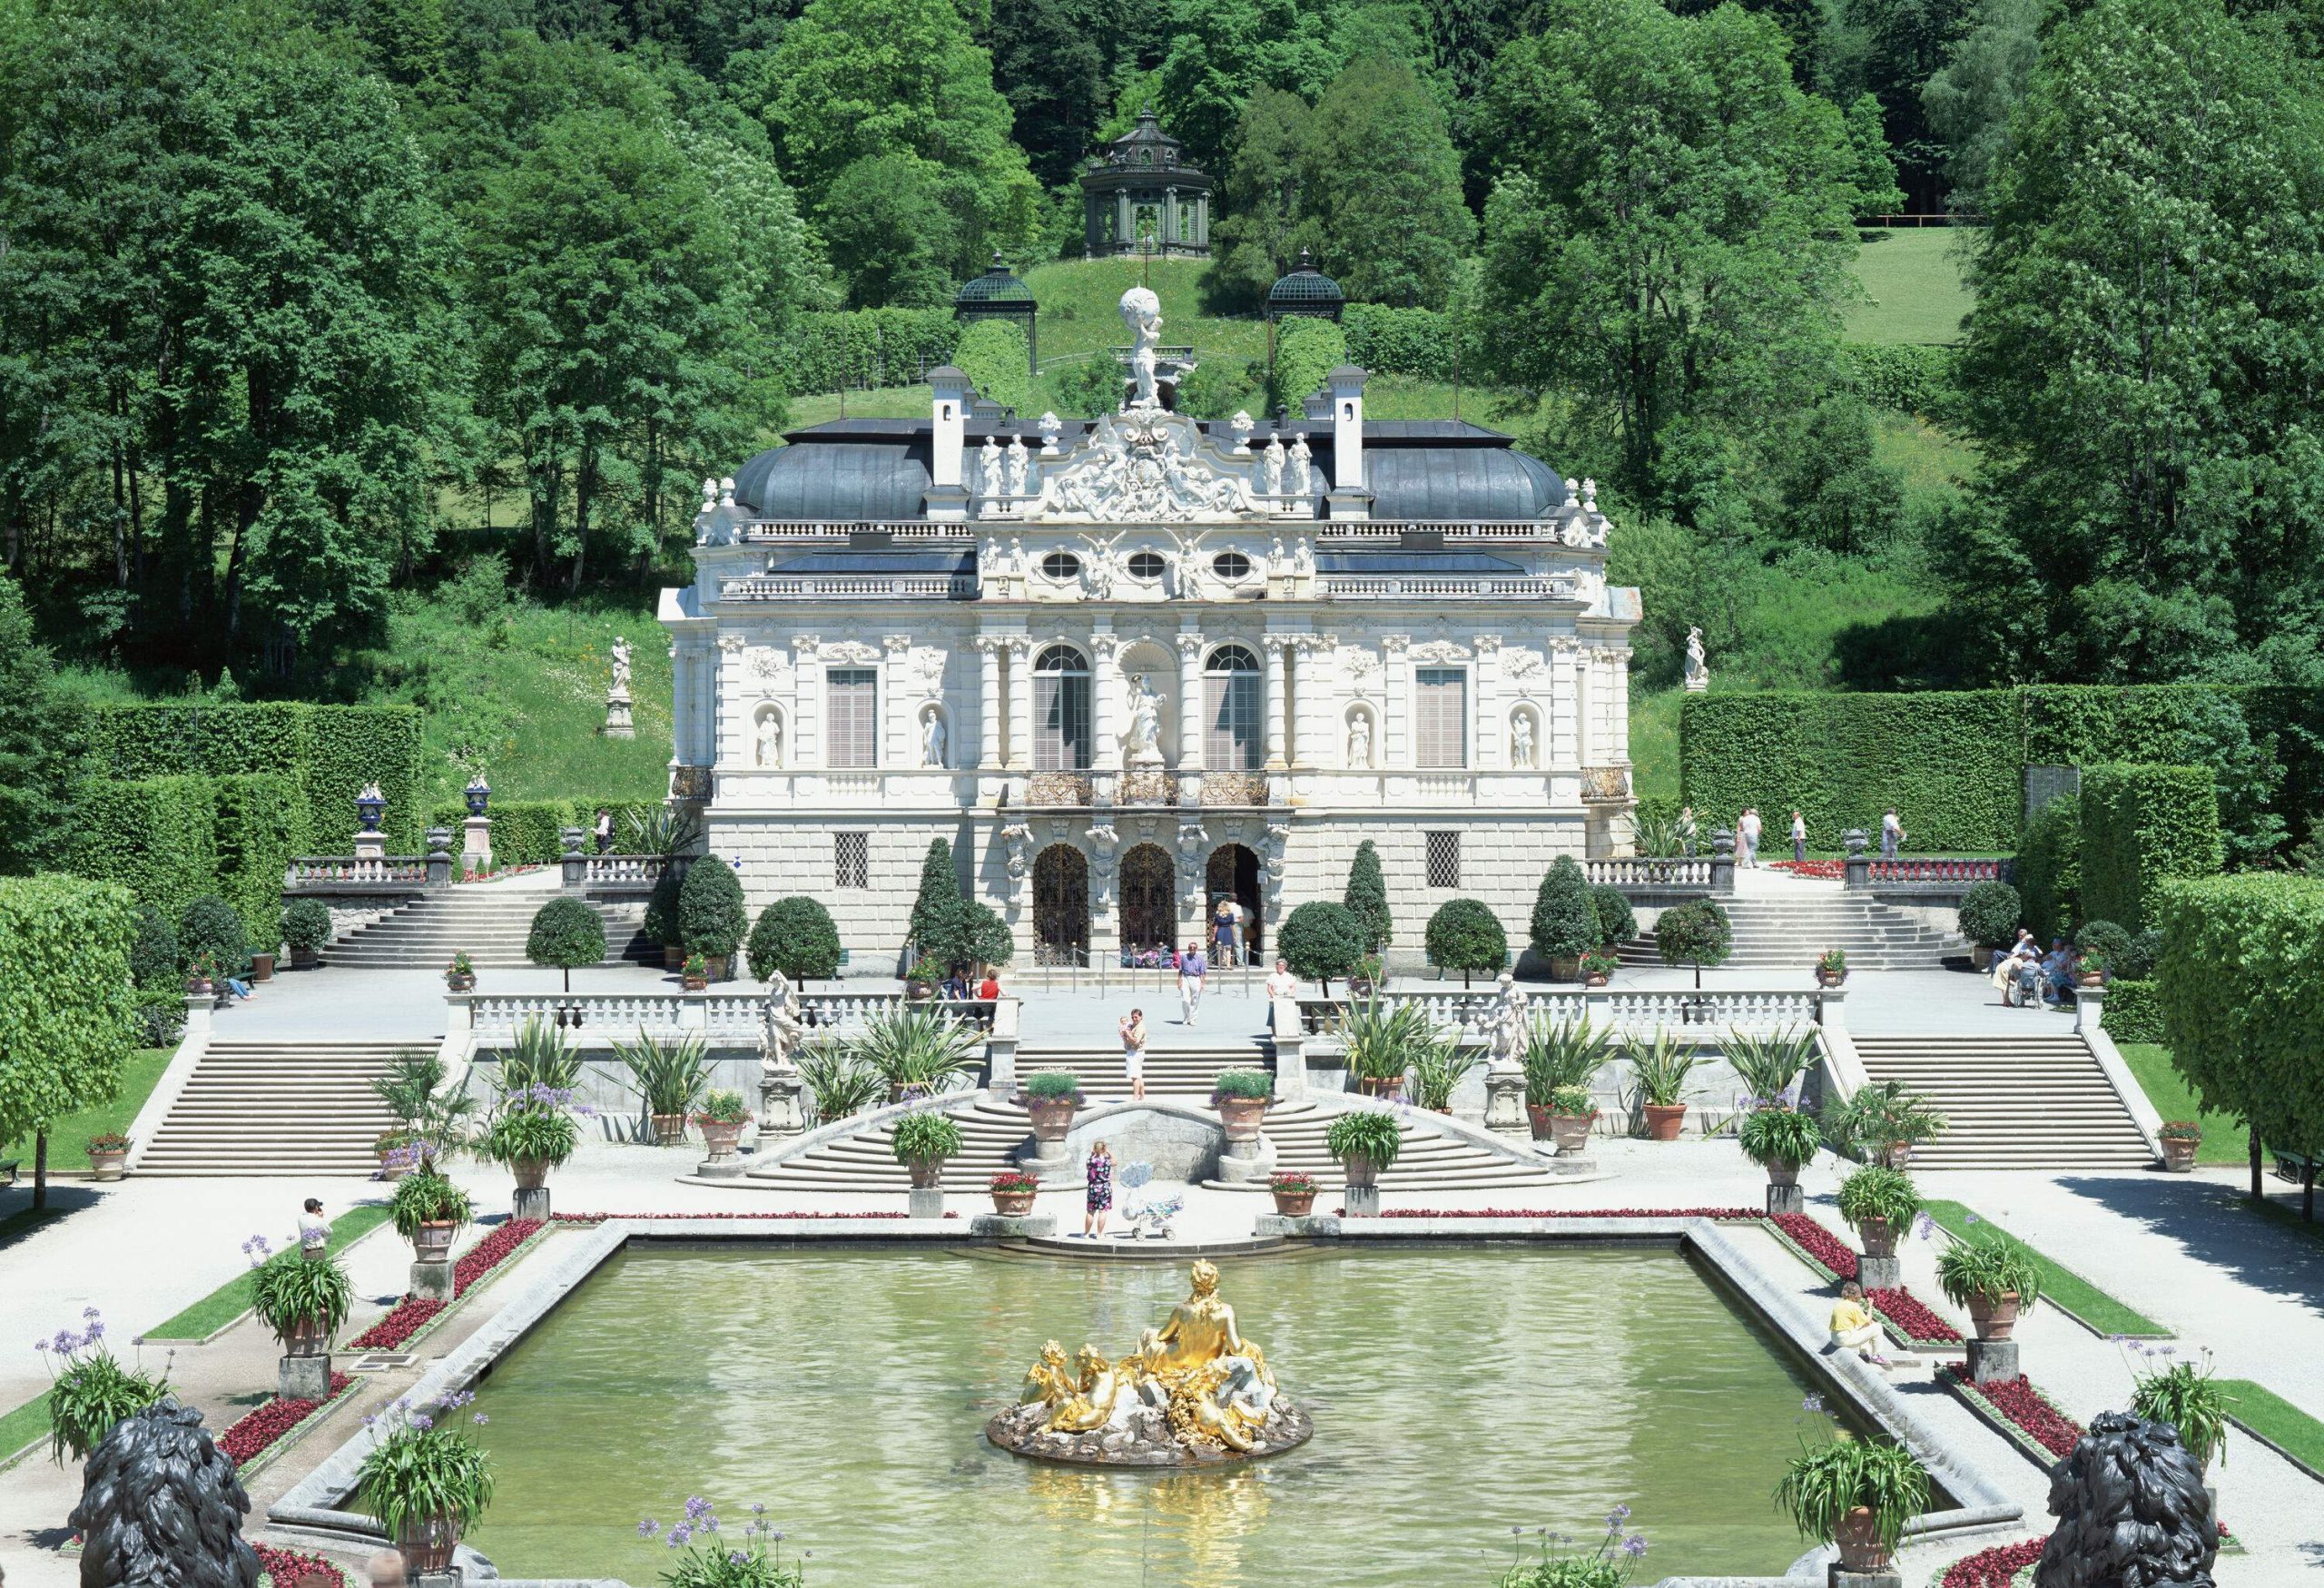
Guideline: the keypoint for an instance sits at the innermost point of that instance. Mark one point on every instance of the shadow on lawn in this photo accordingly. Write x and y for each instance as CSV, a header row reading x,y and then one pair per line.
x,y
2274,1252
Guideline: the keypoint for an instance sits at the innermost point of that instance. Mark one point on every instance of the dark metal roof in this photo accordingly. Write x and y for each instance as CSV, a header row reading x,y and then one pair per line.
x,y
997,285
823,476
1414,562
1306,291
1460,483
919,560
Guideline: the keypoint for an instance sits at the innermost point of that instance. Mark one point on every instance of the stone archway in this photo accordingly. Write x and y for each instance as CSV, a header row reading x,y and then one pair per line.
x,y
1061,906
1150,900
1234,873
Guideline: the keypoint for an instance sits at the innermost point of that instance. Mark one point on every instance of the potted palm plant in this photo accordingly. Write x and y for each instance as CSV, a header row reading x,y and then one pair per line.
x,y
2180,1138
1439,1065
1770,1066
668,1076
1993,1275
108,1153
1013,1191
428,1210
1856,1493
426,1481
429,1116
919,1049
1660,1068
1293,1191
1363,1143
1241,1097
1779,1142
1560,1062
1878,1202
304,1303
923,1140
722,1118
1378,1040
1882,1123
1051,1098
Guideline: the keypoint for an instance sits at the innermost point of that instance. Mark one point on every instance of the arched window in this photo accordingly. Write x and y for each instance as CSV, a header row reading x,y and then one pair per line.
x,y
1060,710
1232,732
1061,564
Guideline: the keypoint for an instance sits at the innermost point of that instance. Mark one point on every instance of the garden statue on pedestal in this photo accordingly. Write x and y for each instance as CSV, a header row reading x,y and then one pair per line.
x,y
781,1085
1510,1037
2131,1508
1142,312
1697,665
619,724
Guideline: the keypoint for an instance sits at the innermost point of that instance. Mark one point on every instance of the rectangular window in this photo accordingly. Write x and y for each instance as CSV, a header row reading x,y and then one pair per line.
x,y
1233,739
851,860
1061,722
1443,860
852,724
1440,716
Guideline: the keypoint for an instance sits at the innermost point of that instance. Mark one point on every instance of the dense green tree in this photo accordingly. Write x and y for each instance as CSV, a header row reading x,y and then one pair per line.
x,y
1052,61
1255,230
1969,99
1367,898
1874,177
32,740
892,226
1224,51
1896,47
993,355
711,914
939,899
1565,918
1382,183
1671,241
65,1004
2144,355
1465,935
567,935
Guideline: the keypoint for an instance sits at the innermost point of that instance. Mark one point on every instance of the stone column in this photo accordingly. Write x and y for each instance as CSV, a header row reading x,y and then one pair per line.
x,y
807,705
1490,730
1021,703
1105,678
1395,734
1617,742
1271,671
989,702
1190,701
1169,218
1122,236
899,745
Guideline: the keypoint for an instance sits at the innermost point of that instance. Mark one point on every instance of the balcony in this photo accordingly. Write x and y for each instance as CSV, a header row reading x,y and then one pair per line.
x,y
1443,587
841,529
850,586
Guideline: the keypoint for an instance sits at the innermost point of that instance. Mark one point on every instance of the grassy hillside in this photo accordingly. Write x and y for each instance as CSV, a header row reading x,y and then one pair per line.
x,y
1913,287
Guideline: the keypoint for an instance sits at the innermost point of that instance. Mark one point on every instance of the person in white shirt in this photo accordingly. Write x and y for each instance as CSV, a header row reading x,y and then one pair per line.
x,y
1798,838
1192,968
1751,827
1892,834
1281,986
314,1230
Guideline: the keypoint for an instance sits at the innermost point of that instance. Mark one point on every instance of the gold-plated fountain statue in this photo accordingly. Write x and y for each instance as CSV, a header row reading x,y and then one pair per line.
x,y
1194,1390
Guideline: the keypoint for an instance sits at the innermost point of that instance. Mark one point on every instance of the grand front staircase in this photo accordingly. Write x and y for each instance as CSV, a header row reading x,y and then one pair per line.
x,y
2037,1101
276,1108
994,1133
487,922
1790,934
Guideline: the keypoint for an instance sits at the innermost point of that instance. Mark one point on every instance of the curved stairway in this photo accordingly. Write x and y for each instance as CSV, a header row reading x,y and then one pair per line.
x,y
2036,1101
276,1108
1789,934
488,922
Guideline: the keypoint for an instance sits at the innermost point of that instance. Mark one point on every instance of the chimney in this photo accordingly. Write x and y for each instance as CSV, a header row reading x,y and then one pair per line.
x,y
947,500
1348,498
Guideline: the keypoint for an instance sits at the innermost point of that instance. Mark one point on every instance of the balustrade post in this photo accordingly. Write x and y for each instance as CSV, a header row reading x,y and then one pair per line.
x,y
1722,863
2087,1003
574,865
1290,1050
694,1011
439,857
1832,1007
1857,870
1000,1049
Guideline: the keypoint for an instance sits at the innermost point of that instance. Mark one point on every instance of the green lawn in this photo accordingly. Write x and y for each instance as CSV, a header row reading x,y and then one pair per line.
x,y
2224,1137
1654,743
2061,1285
1913,287
1080,308
139,1076
22,1426
2268,1415
231,1300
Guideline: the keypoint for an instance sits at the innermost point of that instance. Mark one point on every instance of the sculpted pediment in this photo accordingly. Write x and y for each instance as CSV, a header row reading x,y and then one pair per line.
x,y
1144,465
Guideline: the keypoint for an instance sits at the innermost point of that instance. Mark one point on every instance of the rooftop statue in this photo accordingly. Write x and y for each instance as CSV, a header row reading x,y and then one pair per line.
x,y
1142,312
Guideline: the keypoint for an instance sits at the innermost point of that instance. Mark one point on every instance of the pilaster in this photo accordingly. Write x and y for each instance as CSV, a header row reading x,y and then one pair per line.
x,y
1104,687
729,734
1271,674
1565,747
1190,700
1021,703
807,705
899,745
1490,731
1396,734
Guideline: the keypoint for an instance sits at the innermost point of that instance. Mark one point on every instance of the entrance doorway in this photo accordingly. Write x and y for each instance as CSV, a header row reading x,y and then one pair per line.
x,y
1233,874
1060,906
1149,898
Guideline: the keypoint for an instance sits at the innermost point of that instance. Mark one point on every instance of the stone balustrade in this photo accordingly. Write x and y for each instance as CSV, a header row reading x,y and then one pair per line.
x,y
1948,874
396,869
1478,587
893,586
1674,872
598,1019
1471,1011
822,530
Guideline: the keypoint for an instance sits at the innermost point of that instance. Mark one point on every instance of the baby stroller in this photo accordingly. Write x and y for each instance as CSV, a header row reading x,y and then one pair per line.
x,y
1147,1216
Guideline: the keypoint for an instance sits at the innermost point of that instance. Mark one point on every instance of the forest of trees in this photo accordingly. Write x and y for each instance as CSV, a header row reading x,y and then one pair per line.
x,y
290,288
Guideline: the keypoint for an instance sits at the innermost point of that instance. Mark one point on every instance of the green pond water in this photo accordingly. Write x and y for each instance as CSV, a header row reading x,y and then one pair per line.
x,y
1456,1391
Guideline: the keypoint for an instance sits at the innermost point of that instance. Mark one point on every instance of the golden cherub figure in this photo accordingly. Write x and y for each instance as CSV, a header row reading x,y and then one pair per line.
x,y
1049,1380
1099,1387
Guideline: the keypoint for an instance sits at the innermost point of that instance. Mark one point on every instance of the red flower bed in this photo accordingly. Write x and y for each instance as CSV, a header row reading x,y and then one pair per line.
x,y
414,1313
1819,1243
1723,1213
1991,1568
291,1569
1830,870
1920,1325
2017,1400
601,1218
1832,1254
411,1315
251,1435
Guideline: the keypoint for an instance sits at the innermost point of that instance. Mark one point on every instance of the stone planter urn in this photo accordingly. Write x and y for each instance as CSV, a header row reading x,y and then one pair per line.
x,y
919,991
1994,1317
306,1338
717,963
1879,1237
107,1164
261,967
303,958
1052,1120
1782,1174
1570,1132
1380,1085
721,1136
460,982
695,983
201,987
1013,1203
1361,1171
1242,1117
2179,1154
432,1243
1829,977
926,1172
1665,1121
1858,1539
1565,967
1361,986
1597,979
532,1173
427,1542
669,1130
1294,1204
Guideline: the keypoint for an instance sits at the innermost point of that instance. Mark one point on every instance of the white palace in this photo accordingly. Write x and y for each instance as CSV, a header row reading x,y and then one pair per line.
x,y
1126,665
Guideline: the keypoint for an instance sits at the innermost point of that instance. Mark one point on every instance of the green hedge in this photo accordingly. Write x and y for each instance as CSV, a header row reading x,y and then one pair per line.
x,y
155,836
1306,350
1946,761
2132,1011
2049,869
530,832
2141,827
263,821
67,1014
1419,342
2243,987
1908,377
992,354
860,347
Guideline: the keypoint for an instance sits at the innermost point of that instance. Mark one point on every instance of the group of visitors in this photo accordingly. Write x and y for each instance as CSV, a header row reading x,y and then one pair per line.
x,y
2028,975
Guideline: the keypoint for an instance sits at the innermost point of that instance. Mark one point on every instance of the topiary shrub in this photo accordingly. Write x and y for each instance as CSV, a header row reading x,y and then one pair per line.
x,y
2109,942
712,916
2132,1011
1616,919
992,354
1367,898
939,900
1565,922
2048,871
796,936
566,934
154,962
1306,350
972,935
2140,826
1990,914
306,925
1321,939
211,929
1465,935
1696,934
661,922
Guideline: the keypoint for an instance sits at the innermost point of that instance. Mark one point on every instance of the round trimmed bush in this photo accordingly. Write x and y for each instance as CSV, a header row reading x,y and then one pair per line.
x,y
567,935
153,956
1616,919
796,936
2107,939
1465,935
1696,934
306,924
1321,939
1565,921
1990,913
712,916
212,929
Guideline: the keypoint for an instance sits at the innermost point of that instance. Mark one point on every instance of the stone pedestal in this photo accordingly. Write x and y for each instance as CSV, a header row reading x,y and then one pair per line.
x,y
532,1203
1241,1162
450,1577
1505,1104
1362,1202
729,1167
782,1109
1306,1224
476,844
1017,1226
927,1202
1991,1359
371,846
619,723
1786,1200
1879,1273
432,1281
1835,1578
304,1378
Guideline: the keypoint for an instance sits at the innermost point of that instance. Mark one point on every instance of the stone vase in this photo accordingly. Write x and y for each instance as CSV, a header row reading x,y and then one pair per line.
x,y
1361,1171
1294,1204
1052,1121
721,1136
925,1172
1879,1237
1012,1204
1570,1132
1242,1117
1859,1540
669,1130
532,1173
1565,967
432,1243
107,1166
427,1542
305,1337
461,981
1994,1317
1537,1120
2179,1154
1665,1121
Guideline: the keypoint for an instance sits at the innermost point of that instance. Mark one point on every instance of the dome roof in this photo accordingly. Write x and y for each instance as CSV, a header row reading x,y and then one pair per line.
x,y
997,285
1306,291
849,470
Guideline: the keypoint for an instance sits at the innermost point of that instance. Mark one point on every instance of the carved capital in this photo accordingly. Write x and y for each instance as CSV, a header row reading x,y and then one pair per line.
x,y
806,644
1276,644
1396,645
1190,646
896,644
1487,644
1020,646
990,643
730,643
1103,646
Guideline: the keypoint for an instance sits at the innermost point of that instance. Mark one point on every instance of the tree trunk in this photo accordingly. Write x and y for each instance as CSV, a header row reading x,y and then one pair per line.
x,y
40,1170
2253,1132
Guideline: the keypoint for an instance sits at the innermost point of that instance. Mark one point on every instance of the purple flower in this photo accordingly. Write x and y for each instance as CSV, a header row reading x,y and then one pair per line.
x,y
96,1331
2165,1350
1634,1545
735,1557
758,1510
1618,1515
680,1534
1969,1218
1922,1225
88,1312
423,1423
479,1419
1813,1403
697,1508
648,1528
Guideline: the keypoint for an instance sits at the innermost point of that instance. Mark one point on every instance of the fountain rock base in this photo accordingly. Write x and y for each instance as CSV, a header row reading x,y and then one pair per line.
x,y
1143,1439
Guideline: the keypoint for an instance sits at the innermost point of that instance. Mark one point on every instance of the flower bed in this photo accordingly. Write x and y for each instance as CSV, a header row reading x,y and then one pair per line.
x,y
1830,871
1991,1568
601,1218
252,1435
1912,1321
289,1569
2024,1412
1725,1214
414,1313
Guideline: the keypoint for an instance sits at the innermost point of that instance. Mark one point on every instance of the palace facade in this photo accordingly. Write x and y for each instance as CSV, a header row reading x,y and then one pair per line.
x,y
1126,665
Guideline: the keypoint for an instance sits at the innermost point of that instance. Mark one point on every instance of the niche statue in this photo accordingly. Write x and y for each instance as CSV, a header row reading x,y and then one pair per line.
x,y
2130,1509
160,1505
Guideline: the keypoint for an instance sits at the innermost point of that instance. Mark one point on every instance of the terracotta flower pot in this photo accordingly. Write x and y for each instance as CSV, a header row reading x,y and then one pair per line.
x,y
532,1173
1829,977
1994,1317
925,1172
1013,1203
459,982
1858,1538
306,1338
261,967
1565,967
1879,1237
1361,1171
1665,1121
696,984
302,959
1242,1117
108,1166
669,1130
432,1243
425,1543
1294,1204
1597,979
1359,986
2179,1154
1052,1116
1537,1115
1782,1174
1571,1131
1380,1085
721,1136
919,991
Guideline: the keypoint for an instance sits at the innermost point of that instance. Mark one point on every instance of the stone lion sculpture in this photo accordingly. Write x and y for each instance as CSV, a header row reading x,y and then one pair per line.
x,y
159,1506
2131,1512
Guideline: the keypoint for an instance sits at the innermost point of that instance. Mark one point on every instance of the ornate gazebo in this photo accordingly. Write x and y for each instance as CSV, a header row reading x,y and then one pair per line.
x,y
997,294
1141,193
1306,291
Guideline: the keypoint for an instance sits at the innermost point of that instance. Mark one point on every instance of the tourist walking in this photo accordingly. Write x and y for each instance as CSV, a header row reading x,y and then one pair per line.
x,y
1224,925
1192,969
605,830
1892,834
1686,833
1751,827
1134,1051
1798,839
1101,1191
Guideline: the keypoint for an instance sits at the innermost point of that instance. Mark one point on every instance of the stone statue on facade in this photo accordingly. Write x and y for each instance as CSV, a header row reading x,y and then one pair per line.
x,y
1359,740
931,737
1099,576
1241,425
1271,464
1506,1040
1303,467
988,467
769,740
1520,740
1020,466
1303,561
620,723
1142,745
1019,840
1697,665
1142,312
782,1028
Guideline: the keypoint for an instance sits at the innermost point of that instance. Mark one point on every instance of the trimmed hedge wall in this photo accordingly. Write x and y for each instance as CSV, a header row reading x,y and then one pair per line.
x,y
2141,827
2132,1011
1401,341
263,821
66,1008
155,836
854,349
528,831
2049,869
2242,987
